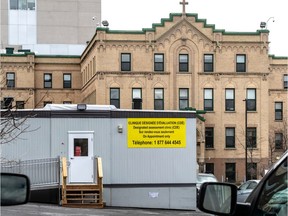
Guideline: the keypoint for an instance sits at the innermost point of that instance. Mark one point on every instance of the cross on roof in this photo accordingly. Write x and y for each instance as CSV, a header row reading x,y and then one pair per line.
x,y
183,3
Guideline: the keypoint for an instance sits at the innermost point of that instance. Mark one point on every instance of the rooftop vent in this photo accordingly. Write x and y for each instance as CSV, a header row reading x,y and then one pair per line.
x,y
9,50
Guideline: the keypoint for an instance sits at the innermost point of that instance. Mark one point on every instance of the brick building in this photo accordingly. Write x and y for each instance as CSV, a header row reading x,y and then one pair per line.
x,y
181,62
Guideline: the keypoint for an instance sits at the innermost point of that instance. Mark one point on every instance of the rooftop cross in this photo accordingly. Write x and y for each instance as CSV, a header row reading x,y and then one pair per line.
x,y
183,3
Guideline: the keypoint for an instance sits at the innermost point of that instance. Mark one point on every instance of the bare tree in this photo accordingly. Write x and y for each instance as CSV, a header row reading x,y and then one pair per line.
x,y
278,140
252,140
12,124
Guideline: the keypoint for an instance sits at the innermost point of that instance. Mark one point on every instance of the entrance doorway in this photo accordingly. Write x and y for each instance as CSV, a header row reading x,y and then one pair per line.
x,y
81,169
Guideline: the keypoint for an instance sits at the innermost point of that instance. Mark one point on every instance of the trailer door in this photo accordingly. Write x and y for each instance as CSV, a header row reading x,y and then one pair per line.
x,y
81,169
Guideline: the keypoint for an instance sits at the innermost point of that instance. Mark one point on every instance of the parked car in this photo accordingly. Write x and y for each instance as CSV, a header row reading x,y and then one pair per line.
x,y
245,189
15,189
204,177
268,198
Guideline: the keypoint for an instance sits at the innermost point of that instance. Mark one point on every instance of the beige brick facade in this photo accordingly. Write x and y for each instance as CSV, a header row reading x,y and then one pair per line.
x,y
98,70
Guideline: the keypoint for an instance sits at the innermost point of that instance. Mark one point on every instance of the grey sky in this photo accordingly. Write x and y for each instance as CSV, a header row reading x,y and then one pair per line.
x,y
231,15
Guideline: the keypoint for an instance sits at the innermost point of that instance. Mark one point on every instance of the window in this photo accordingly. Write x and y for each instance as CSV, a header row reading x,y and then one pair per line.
x,y
251,100
230,172
251,137
230,137
285,81
20,105
81,147
137,98
278,110
208,63
209,137
66,80
47,80
125,62
13,4
210,168
10,80
115,97
7,103
251,171
229,99
22,4
208,99
240,63
183,98
278,140
158,99
183,63
159,62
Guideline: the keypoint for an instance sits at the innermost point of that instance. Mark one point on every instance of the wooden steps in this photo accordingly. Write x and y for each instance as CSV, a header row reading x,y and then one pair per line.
x,y
83,196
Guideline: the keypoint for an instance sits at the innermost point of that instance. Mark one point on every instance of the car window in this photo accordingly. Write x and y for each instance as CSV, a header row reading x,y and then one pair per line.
x,y
244,186
274,197
252,185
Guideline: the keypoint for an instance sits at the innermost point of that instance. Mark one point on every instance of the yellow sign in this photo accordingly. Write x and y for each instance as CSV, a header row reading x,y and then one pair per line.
x,y
156,133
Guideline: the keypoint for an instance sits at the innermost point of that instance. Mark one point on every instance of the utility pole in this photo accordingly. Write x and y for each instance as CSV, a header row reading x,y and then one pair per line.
x,y
246,143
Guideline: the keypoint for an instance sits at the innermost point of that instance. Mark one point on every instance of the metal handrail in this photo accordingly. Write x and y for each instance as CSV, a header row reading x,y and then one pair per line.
x,y
43,173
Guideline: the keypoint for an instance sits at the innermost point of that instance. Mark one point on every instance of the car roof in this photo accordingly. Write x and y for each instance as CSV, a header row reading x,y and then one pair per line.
x,y
206,174
254,180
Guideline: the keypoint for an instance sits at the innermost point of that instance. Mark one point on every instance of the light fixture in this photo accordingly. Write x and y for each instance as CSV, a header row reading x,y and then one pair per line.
x,y
81,107
105,23
262,25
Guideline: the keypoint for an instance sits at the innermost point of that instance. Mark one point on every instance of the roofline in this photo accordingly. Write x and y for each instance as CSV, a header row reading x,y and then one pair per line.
x,y
39,56
102,113
279,57
170,19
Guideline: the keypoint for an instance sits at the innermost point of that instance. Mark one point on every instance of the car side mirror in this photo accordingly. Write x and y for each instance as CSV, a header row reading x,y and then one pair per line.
x,y
15,189
217,198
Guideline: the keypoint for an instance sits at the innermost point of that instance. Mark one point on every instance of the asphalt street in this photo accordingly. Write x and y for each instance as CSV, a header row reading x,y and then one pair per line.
x,y
36,209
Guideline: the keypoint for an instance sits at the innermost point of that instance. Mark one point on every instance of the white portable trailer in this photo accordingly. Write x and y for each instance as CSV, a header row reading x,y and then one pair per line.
x,y
148,156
